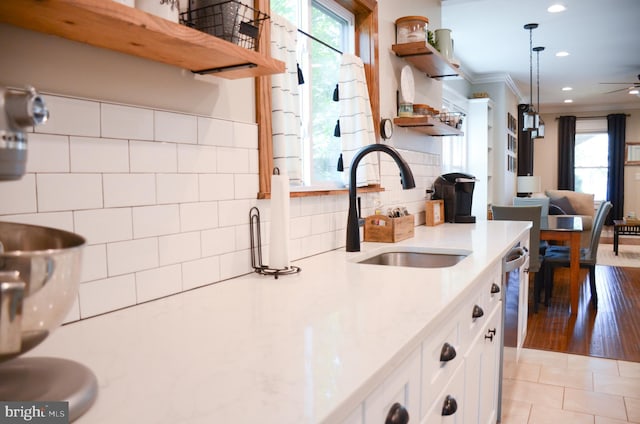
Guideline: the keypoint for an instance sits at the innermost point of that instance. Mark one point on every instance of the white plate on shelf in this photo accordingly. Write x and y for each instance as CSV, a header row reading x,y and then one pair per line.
x,y
407,85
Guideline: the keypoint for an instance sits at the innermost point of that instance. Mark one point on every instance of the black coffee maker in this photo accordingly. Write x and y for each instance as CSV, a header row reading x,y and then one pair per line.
x,y
456,189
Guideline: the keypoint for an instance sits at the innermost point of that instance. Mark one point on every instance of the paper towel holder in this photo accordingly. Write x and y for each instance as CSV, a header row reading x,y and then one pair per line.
x,y
256,249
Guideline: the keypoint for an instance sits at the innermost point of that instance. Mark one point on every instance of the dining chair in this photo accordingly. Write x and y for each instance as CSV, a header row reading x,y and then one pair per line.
x,y
559,256
533,214
544,202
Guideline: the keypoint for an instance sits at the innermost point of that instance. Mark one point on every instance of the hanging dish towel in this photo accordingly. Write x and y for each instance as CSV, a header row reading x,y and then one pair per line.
x,y
356,121
285,107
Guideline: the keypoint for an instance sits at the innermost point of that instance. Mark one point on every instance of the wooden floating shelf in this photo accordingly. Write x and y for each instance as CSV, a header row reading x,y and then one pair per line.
x,y
427,125
426,59
114,26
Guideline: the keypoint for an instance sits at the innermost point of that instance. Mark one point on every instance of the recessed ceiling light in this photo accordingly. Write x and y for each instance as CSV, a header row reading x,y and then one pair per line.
x,y
562,54
555,8
635,91
567,88
568,101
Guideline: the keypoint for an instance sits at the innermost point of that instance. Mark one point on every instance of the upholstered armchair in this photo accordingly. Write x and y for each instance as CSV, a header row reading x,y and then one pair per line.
x,y
568,202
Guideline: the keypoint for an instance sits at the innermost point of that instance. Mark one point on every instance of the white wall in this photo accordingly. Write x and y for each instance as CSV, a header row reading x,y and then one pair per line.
x,y
158,169
545,151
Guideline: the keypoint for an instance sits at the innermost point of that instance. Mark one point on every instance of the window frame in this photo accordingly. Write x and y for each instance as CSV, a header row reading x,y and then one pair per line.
x,y
366,46
590,132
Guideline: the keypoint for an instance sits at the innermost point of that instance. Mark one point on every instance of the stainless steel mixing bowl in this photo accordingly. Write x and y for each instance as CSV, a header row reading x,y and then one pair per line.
x,y
39,278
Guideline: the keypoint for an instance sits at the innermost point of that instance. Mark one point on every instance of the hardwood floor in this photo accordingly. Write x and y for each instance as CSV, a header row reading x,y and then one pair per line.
x,y
612,331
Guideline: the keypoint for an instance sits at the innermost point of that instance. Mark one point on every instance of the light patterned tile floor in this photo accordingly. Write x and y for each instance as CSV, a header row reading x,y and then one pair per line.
x,y
549,387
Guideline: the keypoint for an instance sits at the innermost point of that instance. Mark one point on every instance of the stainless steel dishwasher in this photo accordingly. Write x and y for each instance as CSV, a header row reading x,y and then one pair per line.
x,y
513,261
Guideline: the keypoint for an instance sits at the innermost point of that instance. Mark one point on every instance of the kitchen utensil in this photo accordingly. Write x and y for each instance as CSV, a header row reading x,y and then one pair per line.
x,y
407,86
39,278
444,43
410,29
19,110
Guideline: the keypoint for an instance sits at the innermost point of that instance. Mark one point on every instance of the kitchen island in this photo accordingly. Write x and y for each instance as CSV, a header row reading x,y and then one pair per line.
x,y
307,348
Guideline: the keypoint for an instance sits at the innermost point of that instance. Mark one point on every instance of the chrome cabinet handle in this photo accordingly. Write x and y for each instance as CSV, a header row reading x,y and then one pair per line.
x,y
477,312
447,353
450,406
397,415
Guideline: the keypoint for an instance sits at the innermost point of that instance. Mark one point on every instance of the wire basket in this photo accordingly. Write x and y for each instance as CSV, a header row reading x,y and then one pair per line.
x,y
230,20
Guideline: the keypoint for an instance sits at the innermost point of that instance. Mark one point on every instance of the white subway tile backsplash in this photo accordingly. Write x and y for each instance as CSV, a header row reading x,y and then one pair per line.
x,y
215,132
243,239
321,223
234,212
158,282
59,220
218,241
246,186
233,161
129,190
18,196
104,225
163,199
254,165
177,188
198,216
200,272
245,135
151,221
130,256
234,264
107,295
94,263
178,248
48,153
99,155
126,122
197,158
153,156
69,116
175,127
216,187
300,227
60,192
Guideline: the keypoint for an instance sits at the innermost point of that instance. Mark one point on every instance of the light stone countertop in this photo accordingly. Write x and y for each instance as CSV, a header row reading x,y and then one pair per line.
x,y
300,349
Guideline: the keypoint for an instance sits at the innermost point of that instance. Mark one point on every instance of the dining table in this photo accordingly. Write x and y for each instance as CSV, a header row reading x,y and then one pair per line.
x,y
566,229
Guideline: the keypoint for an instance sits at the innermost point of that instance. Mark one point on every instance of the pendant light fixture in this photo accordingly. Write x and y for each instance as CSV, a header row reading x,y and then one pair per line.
x,y
530,117
539,133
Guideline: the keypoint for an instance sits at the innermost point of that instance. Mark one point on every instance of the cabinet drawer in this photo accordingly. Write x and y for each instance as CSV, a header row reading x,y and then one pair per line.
x,y
452,393
481,305
436,372
402,386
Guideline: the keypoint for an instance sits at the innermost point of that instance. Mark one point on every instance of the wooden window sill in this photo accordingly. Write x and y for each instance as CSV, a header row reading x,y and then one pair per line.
x,y
311,193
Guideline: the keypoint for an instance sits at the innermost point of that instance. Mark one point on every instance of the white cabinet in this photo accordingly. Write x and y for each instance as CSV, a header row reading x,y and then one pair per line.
x,y
453,377
482,363
480,139
402,387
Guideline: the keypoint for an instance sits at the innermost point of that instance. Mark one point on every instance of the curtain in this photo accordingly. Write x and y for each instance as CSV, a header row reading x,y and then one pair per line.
x,y
616,126
566,152
285,106
356,121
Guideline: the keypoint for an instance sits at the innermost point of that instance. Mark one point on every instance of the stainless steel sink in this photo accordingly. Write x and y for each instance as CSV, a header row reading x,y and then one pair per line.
x,y
416,259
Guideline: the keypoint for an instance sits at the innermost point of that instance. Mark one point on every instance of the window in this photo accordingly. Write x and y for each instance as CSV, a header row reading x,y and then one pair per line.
x,y
592,163
366,34
320,65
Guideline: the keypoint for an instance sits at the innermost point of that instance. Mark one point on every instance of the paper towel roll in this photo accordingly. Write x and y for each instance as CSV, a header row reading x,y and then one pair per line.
x,y
279,243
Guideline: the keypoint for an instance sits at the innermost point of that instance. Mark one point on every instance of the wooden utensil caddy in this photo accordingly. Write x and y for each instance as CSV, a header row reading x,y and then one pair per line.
x,y
383,229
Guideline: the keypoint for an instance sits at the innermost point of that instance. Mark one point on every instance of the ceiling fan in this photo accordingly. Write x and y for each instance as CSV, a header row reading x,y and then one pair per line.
x,y
629,85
